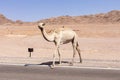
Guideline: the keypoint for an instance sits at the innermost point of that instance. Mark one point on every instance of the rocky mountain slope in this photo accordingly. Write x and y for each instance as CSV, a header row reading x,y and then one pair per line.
x,y
4,20
110,17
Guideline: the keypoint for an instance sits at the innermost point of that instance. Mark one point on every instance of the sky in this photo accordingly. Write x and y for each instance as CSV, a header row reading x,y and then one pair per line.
x,y
34,10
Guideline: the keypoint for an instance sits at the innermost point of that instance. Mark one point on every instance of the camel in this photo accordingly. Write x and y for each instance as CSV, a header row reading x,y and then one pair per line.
x,y
59,37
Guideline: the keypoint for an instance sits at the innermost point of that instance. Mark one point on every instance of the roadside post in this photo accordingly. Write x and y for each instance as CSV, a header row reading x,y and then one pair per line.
x,y
30,50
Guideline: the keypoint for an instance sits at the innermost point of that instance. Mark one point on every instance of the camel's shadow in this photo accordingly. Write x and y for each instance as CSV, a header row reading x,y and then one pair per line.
x,y
49,63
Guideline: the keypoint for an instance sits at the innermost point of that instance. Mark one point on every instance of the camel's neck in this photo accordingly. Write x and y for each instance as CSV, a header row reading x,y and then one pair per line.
x,y
47,37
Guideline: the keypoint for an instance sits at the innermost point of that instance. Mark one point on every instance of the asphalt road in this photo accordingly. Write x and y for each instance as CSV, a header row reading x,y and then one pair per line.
x,y
13,72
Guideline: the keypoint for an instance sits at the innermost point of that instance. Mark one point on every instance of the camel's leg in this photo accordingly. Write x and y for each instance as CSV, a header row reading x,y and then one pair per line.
x,y
74,53
54,57
79,53
59,55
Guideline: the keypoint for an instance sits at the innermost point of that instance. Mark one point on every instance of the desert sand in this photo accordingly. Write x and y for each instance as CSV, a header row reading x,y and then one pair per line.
x,y
99,44
99,40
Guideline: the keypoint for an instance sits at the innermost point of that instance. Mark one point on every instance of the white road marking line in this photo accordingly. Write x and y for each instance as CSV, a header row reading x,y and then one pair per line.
x,y
100,68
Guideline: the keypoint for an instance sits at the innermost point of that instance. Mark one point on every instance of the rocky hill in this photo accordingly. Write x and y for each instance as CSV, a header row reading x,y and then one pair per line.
x,y
110,17
103,18
4,20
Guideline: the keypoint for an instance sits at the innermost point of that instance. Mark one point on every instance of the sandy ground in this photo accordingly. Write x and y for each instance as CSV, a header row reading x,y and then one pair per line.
x,y
99,44
95,51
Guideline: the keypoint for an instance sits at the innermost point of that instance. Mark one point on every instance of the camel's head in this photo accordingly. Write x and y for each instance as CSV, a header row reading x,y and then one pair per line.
x,y
41,25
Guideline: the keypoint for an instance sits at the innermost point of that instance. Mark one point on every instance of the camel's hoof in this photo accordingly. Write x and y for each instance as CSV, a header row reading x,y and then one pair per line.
x,y
71,64
52,66
80,61
59,64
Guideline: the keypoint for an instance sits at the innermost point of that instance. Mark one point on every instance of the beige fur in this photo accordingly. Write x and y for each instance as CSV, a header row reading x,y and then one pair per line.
x,y
61,36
